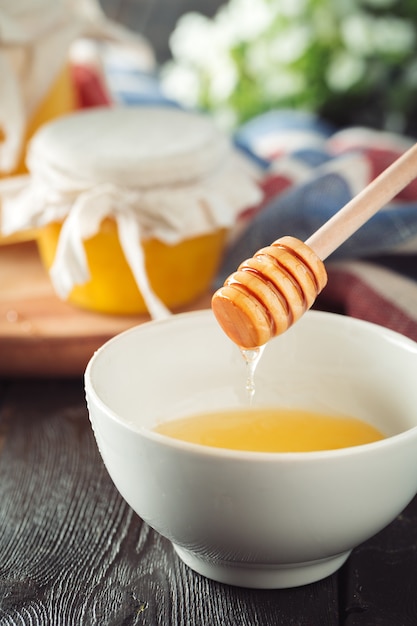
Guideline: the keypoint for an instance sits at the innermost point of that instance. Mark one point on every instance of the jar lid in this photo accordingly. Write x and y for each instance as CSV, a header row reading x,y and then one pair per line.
x,y
139,147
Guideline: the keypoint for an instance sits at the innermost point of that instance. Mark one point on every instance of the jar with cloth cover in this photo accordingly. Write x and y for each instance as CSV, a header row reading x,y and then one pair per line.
x,y
133,204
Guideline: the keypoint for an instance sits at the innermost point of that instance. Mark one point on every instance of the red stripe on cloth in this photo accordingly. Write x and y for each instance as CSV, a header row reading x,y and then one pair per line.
x,y
347,294
272,185
380,159
90,90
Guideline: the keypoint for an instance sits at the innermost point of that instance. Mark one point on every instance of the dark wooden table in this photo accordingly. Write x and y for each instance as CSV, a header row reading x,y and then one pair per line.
x,y
73,553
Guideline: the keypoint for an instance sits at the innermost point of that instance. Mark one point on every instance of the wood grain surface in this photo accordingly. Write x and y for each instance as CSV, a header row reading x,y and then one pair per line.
x,y
40,334
73,553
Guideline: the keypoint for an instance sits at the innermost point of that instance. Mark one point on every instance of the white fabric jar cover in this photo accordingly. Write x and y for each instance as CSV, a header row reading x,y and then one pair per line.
x,y
159,172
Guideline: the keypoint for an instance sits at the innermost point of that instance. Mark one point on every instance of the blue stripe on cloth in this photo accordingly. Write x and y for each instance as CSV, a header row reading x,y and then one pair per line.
x,y
311,156
301,211
283,121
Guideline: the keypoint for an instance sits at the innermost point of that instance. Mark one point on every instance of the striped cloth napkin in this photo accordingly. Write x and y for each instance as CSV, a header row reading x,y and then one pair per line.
x,y
309,171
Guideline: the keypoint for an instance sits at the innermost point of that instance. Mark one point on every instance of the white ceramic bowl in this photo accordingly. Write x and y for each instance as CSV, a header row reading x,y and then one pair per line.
x,y
266,520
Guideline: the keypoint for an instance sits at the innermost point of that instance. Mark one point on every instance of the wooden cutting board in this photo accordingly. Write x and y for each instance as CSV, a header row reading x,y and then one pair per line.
x,y
39,334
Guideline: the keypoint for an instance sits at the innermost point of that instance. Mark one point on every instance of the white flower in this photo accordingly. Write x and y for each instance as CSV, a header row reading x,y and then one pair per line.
x,y
283,83
193,39
223,80
291,43
345,71
259,45
291,8
181,83
244,20
357,33
393,35
368,35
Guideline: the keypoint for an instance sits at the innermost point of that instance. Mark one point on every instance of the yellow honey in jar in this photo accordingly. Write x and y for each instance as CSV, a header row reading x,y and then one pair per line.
x,y
271,430
177,273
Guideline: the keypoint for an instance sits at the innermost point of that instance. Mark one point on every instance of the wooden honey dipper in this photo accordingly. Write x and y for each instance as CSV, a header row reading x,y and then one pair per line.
x,y
272,290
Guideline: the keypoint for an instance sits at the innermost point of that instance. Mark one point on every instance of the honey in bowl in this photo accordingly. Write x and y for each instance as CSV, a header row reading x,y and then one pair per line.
x,y
271,430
